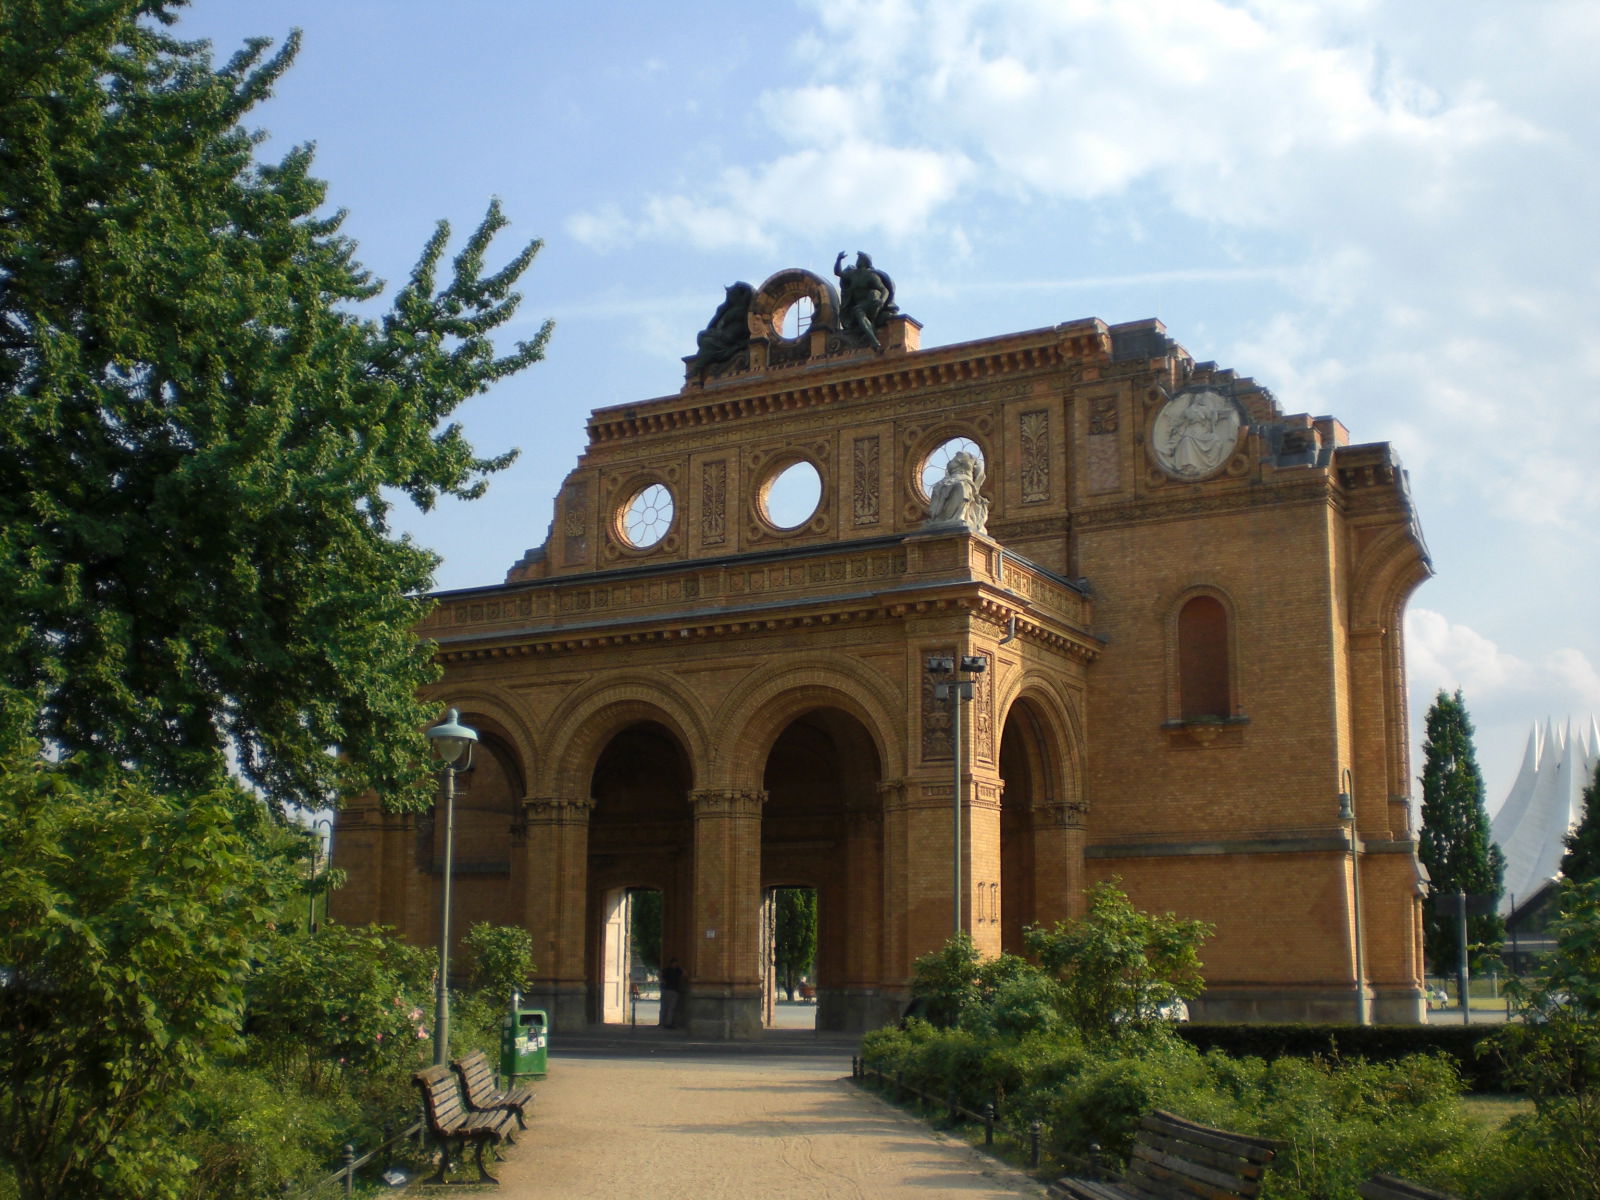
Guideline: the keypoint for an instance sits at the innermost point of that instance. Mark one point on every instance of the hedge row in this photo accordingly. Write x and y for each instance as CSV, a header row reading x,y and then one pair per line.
x,y
1482,1070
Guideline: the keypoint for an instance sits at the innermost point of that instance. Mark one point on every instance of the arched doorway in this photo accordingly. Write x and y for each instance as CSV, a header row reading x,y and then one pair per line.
x,y
640,838
1041,828
822,828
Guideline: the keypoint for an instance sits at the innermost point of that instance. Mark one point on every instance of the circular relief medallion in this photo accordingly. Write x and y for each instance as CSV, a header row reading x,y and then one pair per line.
x,y
1195,433
647,516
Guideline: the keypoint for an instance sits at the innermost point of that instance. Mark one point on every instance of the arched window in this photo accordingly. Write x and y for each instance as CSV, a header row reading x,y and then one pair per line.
x,y
1203,685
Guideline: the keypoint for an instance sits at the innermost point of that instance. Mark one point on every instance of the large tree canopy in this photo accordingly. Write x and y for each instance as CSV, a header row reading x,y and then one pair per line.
x,y
1581,862
201,429
1454,844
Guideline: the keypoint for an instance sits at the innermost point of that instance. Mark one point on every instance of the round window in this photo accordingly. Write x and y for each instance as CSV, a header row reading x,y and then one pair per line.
x,y
792,495
795,321
647,516
933,467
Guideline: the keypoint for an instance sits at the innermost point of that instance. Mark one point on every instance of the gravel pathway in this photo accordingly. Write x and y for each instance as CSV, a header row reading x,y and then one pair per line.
x,y
755,1127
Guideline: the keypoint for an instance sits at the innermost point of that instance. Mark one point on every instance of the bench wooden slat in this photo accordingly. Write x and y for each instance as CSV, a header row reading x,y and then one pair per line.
x,y
477,1087
1177,1159
450,1121
1390,1187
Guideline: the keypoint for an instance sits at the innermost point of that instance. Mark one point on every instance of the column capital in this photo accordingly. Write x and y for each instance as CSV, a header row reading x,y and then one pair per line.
x,y
1065,814
731,802
556,810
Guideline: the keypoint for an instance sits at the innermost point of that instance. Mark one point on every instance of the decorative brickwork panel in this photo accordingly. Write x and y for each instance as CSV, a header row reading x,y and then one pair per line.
x,y
1035,431
1103,415
982,712
935,716
575,527
714,504
1103,460
866,503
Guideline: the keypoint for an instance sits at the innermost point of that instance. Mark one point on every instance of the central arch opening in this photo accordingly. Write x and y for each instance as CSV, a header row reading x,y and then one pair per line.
x,y
822,833
640,872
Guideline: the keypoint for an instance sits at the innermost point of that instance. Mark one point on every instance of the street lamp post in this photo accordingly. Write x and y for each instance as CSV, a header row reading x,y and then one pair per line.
x,y
1347,818
947,686
452,746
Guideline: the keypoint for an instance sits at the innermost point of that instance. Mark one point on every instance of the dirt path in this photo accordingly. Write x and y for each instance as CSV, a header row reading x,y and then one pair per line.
x,y
752,1128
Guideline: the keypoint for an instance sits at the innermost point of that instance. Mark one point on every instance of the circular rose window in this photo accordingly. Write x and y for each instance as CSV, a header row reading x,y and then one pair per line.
x,y
935,465
647,516
792,495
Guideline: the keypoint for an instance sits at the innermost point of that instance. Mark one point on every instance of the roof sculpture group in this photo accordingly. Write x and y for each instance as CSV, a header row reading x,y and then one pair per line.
x,y
853,314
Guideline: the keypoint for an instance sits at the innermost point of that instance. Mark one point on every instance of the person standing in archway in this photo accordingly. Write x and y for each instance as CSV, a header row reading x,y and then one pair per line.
x,y
671,993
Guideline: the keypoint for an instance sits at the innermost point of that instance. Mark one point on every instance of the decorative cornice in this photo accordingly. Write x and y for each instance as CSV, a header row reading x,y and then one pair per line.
x,y
556,810
948,366
1231,497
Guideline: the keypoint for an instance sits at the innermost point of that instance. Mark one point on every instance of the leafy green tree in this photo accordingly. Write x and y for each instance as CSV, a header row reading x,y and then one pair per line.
x,y
944,982
203,432
1582,859
1554,1052
343,1002
646,907
1118,969
795,944
1454,844
501,958
128,921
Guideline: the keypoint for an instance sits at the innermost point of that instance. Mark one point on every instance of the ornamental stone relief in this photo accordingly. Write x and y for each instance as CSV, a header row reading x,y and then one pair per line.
x,y
866,501
1194,434
1035,434
714,504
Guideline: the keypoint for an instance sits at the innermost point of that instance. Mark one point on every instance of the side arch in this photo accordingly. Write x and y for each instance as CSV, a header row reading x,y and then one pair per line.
x,y
510,722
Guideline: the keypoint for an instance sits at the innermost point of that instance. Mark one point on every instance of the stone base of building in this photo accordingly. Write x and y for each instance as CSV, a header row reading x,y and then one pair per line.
x,y
566,1004
722,1015
848,1010
1307,1006
1399,1006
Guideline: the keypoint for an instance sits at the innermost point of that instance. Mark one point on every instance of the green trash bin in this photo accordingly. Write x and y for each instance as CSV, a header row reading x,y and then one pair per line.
x,y
524,1044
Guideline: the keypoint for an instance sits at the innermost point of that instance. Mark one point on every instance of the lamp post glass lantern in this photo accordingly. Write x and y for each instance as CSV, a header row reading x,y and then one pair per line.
x,y
317,842
949,686
452,746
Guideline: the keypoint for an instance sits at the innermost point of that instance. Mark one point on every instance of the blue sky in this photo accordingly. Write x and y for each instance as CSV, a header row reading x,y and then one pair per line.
x,y
1380,210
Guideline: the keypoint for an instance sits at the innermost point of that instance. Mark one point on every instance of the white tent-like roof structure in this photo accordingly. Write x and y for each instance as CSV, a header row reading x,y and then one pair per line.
x,y
1544,803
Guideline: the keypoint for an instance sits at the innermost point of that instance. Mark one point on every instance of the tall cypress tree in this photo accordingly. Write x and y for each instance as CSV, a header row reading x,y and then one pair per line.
x,y
1455,845
1582,860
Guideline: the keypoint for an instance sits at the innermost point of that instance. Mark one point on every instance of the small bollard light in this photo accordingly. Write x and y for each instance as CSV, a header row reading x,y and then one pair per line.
x,y
988,1122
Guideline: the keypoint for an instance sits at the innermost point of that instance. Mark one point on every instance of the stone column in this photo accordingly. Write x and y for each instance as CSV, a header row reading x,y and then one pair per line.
x,y
1059,834
853,1001
724,985
549,878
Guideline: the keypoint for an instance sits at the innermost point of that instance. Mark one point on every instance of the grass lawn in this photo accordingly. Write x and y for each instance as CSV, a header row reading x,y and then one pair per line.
x,y
1495,1109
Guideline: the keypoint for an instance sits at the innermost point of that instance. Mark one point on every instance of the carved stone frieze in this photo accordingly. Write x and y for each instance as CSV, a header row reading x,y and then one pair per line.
x,y
1102,414
1062,814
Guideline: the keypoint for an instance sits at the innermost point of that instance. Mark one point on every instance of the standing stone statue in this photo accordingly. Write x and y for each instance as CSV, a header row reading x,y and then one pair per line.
x,y
866,297
956,498
729,330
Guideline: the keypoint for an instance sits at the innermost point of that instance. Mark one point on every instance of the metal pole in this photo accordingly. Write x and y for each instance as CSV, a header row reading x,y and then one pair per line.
x,y
955,860
311,886
1361,950
441,1013
1462,980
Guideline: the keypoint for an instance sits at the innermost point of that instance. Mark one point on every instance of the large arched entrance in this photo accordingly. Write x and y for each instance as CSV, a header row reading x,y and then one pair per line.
x,y
640,838
1041,827
822,828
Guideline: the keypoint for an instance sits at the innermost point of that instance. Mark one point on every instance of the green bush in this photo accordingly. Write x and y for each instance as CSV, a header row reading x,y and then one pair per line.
x,y
252,1134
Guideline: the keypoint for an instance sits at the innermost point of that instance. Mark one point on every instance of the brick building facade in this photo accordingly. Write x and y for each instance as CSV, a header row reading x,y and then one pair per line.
x,y
1188,605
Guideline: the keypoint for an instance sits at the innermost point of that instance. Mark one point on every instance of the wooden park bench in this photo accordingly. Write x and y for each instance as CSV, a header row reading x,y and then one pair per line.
x,y
477,1085
1179,1159
1387,1187
451,1122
